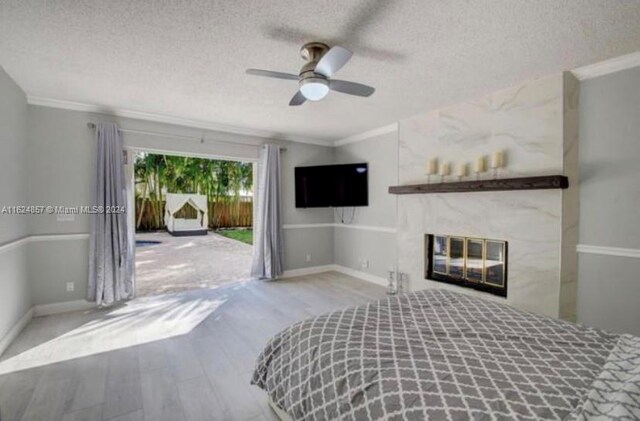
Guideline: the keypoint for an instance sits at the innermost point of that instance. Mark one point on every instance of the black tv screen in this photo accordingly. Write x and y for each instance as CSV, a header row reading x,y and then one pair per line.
x,y
332,186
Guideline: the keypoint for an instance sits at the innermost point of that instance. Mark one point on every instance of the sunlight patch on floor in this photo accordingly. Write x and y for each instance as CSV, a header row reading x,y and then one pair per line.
x,y
180,266
139,321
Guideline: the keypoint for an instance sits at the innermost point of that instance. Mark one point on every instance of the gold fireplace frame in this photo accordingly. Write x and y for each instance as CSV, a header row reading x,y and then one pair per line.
x,y
471,275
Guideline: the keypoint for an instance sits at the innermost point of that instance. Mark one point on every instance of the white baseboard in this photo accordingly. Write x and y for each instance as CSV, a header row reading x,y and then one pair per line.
x,y
307,271
338,268
56,308
15,330
41,310
361,275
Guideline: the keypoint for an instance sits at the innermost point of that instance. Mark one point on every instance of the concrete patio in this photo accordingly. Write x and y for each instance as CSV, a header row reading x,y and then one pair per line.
x,y
186,263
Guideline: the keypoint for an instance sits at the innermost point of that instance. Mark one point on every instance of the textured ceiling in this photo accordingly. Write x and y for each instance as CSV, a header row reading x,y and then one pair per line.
x,y
187,58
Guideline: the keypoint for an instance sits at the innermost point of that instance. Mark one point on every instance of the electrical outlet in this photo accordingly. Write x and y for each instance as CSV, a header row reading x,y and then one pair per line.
x,y
365,263
70,286
308,258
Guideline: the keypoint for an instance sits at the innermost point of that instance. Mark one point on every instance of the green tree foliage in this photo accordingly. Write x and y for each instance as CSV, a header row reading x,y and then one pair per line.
x,y
220,181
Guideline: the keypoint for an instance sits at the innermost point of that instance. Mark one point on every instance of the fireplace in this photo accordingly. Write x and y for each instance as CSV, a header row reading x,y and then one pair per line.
x,y
477,263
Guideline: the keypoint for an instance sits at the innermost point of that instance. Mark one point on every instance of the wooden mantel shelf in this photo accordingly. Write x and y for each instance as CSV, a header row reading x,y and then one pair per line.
x,y
523,183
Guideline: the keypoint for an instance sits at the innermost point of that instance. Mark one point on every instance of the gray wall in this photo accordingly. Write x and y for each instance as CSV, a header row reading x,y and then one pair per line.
x,y
609,286
13,172
61,168
316,242
352,246
15,299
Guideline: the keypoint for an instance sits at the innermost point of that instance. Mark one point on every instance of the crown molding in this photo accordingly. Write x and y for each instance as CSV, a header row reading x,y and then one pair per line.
x,y
390,128
612,65
602,68
178,121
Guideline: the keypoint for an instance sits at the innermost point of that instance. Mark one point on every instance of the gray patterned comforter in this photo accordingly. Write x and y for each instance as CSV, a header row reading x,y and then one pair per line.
x,y
615,393
432,354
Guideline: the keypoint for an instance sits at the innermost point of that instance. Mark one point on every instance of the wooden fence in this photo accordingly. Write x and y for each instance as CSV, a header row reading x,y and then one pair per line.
x,y
221,215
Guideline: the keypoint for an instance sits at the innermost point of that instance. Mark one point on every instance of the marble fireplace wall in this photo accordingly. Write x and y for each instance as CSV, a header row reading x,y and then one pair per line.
x,y
535,123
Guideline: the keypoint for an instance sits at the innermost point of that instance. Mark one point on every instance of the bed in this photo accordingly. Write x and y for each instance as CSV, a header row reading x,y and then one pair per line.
x,y
437,354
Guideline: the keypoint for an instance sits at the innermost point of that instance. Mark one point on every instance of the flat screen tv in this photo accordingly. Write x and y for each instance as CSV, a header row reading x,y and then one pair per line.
x,y
332,186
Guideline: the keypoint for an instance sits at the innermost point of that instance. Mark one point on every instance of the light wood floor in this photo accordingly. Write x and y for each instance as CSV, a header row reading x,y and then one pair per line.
x,y
186,356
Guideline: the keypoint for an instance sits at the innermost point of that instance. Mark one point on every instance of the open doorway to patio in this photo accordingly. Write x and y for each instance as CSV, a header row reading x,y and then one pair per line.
x,y
193,220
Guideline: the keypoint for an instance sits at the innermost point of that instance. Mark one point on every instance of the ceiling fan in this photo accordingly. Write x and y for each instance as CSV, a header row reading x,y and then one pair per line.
x,y
314,79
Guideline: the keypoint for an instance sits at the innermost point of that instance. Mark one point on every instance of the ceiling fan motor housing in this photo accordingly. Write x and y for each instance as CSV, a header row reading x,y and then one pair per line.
x,y
312,52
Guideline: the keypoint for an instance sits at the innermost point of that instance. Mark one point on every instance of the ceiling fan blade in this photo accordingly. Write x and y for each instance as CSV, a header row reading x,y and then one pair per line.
x,y
298,99
333,60
351,88
269,73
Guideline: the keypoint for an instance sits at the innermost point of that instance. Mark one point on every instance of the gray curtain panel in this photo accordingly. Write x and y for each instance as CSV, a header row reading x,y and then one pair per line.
x,y
268,258
111,252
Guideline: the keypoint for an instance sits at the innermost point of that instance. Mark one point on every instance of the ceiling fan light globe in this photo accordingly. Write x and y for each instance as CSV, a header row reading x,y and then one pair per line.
x,y
314,89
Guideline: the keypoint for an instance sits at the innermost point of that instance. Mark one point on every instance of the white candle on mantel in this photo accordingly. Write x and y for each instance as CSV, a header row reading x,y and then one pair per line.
x,y
497,160
462,170
445,169
432,168
480,165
